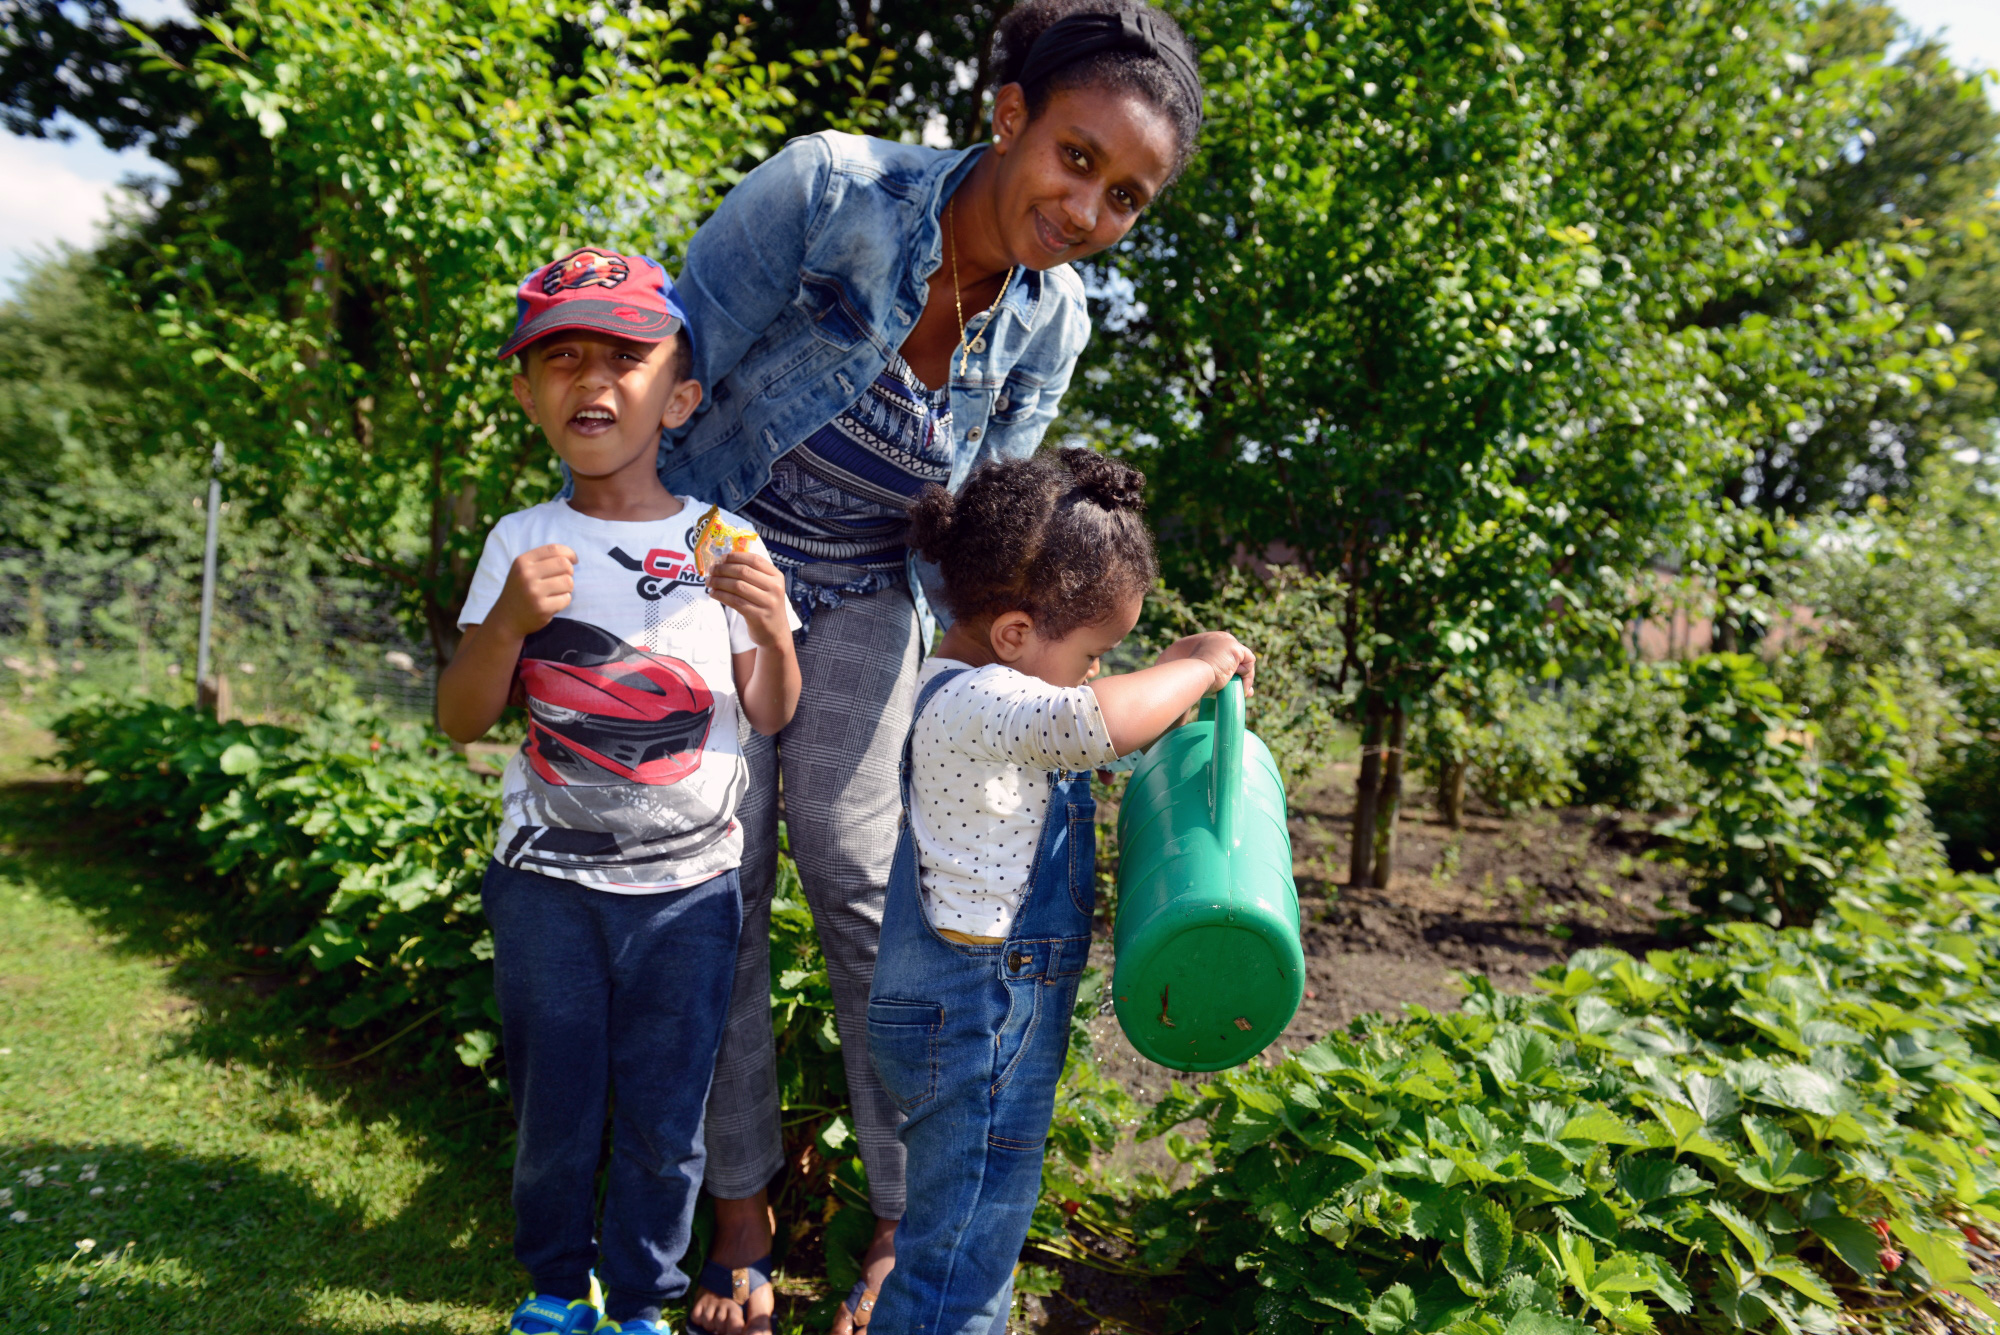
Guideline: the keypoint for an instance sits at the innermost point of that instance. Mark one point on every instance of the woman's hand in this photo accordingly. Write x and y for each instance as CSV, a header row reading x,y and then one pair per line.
x,y
749,583
1225,655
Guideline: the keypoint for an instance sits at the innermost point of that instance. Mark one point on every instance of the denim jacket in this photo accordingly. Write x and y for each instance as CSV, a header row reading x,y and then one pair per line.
x,y
811,273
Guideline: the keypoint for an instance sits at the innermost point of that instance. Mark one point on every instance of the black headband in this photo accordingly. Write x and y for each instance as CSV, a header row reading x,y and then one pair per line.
x,y
1081,36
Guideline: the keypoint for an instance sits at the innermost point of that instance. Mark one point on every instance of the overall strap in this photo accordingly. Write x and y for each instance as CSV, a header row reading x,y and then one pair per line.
x,y
930,688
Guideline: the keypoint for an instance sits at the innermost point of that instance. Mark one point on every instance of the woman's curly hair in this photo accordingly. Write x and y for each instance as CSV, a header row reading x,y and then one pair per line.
x,y
1056,535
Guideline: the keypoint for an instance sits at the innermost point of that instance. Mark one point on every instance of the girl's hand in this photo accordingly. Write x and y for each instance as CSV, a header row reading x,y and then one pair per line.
x,y
539,584
1224,654
748,582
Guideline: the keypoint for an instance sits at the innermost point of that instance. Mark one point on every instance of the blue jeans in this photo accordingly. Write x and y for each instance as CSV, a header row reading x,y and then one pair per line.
x,y
605,994
970,1042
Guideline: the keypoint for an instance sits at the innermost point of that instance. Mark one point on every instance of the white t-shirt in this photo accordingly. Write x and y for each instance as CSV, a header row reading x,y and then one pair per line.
x,y
633,766
980,758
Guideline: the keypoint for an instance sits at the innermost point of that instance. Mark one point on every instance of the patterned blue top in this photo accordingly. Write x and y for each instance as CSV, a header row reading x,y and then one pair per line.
x,y
840,497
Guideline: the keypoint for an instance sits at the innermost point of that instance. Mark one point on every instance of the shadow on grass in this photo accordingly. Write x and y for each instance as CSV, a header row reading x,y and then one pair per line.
x,y
219,1245
267,1242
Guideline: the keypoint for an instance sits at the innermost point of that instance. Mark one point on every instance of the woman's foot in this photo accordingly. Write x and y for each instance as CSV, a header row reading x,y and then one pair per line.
x,y
876,1263
743,1233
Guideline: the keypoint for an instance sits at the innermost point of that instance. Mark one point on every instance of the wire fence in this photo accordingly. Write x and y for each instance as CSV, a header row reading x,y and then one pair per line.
x,y
76,625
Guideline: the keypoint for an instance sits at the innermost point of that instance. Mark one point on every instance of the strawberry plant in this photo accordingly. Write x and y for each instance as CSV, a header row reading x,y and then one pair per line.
x,y
1725,1137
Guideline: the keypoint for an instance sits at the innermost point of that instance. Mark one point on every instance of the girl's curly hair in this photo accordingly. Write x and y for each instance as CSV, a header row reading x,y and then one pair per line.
x,y
1056,535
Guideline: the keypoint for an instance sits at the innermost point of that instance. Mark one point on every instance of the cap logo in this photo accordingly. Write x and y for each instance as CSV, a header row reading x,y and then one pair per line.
x,y
586,268
630,316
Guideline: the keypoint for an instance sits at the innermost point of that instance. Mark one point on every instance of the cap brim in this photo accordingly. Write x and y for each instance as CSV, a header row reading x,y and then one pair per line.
x,y
615,318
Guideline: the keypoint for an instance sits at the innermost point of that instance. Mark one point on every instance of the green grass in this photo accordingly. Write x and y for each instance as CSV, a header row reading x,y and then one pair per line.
x,y
175,1163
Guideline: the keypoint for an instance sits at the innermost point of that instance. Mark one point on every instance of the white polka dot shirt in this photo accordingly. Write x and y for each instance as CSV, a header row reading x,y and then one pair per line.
x,y
979,786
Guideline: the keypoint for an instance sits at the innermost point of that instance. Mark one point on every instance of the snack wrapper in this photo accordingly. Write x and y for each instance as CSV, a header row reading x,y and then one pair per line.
x,y
714,540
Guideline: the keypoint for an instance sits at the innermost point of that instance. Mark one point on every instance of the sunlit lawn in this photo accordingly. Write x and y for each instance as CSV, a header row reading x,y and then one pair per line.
x,y
166,1165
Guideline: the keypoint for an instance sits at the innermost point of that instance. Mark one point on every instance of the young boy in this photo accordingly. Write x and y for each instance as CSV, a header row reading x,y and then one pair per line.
x,y
612,893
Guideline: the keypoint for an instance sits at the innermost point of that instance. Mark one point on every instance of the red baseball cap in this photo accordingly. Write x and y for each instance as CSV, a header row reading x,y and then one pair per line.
x,y
628,296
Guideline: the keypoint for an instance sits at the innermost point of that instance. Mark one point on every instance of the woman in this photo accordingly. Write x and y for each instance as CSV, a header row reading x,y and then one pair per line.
x,y
871,317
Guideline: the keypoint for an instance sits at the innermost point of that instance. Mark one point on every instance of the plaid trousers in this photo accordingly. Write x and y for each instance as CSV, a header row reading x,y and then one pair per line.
x,y
839,757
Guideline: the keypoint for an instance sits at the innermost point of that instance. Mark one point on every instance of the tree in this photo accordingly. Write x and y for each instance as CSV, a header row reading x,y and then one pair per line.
x,y
435,155
1420,315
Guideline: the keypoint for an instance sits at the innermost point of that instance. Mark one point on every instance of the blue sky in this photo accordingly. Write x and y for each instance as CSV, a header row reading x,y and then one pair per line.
x,y
60,195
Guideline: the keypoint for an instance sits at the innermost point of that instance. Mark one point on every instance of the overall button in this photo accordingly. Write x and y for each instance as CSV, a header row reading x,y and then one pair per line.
x,y
1019,960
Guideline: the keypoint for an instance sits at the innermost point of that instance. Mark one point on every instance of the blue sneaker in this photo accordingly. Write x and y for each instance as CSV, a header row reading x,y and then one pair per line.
x,y
552,1316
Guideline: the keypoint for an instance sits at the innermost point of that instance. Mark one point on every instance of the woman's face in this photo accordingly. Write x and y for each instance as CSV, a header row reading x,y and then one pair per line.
x,y
1073,180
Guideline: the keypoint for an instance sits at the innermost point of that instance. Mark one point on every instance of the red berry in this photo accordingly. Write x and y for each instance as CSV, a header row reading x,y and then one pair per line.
x,y
1881,1227
1071,1207
1890,1258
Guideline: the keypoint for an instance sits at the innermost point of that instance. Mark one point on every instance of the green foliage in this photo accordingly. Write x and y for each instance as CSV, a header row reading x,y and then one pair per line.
x,y
1775,826
1964,788
1450,307
1713,1138
437,153
355,856
1612,739
1293,623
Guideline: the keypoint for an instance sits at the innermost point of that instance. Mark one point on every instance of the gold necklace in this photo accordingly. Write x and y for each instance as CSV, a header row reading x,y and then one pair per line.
x,y
992,312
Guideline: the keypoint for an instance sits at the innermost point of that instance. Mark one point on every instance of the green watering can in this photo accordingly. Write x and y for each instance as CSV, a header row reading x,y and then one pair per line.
x,y
1210,969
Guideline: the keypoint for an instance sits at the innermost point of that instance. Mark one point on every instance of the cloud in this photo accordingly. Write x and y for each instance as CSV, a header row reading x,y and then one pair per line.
x,y
56,194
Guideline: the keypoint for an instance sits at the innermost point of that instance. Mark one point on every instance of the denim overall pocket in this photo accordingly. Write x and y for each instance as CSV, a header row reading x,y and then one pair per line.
x,y
903,1038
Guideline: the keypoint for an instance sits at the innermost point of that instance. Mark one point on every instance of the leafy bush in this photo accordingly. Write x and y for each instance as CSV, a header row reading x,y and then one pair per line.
x,y
1631,737
1774,826
352,848
1760,1130
1964,787
1293,622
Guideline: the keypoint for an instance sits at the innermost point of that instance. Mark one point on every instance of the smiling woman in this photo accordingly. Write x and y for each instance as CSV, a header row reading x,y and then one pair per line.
x,y
871,318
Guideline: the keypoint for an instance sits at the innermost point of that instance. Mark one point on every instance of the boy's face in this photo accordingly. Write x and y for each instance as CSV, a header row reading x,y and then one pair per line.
x,y
602,401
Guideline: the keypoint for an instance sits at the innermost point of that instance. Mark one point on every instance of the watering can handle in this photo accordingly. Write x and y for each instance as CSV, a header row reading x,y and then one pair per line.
x,y
1225,769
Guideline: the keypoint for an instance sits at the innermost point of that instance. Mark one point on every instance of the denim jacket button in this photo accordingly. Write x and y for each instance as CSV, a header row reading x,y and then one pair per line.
x,y
979,344
1000,404
974,434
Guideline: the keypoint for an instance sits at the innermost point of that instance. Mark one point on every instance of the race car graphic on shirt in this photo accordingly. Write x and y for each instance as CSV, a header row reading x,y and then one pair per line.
x,y
603,711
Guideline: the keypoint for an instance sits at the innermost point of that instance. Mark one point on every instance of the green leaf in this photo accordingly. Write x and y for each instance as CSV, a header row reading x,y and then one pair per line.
x,y
1392,1313
1519,1056
242,758
1489,1238
1598,1126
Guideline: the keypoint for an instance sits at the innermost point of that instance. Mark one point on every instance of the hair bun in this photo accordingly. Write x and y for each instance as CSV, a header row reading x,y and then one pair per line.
x,y
1113,485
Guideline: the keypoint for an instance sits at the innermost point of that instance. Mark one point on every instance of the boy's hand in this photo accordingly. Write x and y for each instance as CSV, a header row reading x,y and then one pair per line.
x,y
1225,655
748,582
539,584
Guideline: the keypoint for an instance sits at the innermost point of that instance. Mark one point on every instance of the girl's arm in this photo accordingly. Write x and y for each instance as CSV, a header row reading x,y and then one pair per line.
x,y
1139,706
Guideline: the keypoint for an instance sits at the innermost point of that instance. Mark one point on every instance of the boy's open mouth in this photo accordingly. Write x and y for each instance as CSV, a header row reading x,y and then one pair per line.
x,y
593,421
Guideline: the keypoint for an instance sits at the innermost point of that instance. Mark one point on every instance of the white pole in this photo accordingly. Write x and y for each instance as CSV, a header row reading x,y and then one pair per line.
x,y
208,565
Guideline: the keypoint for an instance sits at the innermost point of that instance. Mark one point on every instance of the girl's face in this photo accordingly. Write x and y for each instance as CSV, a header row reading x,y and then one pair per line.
x,y
1072,180
1067,660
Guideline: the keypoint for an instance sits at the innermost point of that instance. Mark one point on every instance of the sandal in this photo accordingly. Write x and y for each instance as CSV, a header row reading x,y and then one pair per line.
x,y
734,1284
859,1304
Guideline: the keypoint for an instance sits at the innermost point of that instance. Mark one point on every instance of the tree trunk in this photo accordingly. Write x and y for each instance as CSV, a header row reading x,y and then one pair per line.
x,y
1390,803
1367,791
1451,794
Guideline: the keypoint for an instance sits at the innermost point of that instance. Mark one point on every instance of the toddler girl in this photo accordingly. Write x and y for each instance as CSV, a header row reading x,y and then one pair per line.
x,y
1046,565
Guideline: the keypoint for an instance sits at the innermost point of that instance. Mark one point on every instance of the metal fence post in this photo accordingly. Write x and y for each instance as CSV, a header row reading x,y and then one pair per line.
x,y
203,687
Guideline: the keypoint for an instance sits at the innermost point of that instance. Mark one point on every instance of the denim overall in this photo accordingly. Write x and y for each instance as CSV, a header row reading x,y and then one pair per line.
x,y
970,1042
